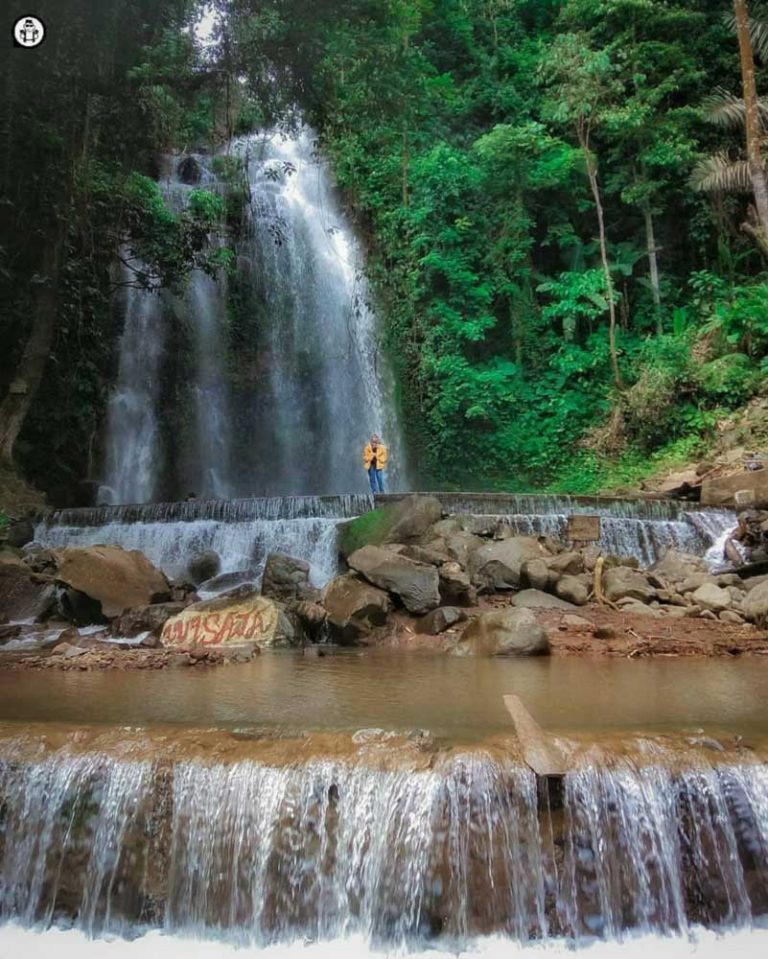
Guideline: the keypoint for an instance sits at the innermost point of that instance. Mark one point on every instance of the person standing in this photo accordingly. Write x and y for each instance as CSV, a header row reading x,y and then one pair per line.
x,y
375,456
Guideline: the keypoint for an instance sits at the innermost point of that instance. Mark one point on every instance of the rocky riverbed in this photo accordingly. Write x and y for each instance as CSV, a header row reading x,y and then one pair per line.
x,y
411,577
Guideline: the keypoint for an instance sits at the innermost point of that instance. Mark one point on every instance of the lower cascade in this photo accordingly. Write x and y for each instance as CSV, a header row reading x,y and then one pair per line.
x,y
244,531
470,845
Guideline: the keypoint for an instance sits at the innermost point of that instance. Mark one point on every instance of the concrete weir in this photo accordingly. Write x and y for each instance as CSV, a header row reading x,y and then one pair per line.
x,y
392,838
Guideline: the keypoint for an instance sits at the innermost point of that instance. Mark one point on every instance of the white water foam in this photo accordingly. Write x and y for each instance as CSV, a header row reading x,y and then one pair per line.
x,y
16,942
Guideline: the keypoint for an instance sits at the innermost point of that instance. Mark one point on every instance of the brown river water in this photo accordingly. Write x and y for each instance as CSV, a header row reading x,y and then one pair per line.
x,y
456,698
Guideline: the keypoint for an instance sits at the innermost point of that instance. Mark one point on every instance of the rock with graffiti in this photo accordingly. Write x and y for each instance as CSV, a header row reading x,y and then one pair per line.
x,y
240,617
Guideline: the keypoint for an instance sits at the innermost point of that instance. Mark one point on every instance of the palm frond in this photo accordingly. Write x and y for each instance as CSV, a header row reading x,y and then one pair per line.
x,y
721,174
725,109
758,28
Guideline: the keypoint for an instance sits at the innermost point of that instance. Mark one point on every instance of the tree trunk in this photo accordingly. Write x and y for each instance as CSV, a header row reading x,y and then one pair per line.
x,y
752,119
29,372
595,186
653,264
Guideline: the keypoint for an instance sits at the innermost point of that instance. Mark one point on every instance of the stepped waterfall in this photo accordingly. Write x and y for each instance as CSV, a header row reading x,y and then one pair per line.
x,y
220,821
400,853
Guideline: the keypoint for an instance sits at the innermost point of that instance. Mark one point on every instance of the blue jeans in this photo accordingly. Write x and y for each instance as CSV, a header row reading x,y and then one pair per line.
x,y
377,480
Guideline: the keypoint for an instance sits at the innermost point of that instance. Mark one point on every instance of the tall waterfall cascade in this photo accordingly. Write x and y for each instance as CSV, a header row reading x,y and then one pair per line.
x,y
267,380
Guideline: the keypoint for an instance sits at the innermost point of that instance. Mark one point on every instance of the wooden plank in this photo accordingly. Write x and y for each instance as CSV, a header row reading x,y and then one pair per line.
x,y
541,753
583,529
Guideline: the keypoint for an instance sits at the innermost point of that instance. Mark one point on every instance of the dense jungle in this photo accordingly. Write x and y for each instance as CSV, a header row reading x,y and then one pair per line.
x,y
563,205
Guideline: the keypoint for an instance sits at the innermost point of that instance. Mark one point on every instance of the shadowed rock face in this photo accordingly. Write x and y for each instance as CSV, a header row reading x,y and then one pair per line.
x,y
415,584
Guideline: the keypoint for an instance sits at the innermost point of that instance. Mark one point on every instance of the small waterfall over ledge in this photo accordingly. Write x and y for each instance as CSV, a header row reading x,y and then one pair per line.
x,y
244,531
471,845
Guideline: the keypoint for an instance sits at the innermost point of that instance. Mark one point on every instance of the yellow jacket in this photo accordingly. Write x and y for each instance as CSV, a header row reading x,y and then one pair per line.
x,y
382,454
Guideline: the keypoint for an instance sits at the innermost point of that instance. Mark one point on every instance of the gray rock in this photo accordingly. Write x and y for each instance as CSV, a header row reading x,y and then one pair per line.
x,y
536,599
415,584
709,596
567,564
754,581
455,586
536,573
506,632
444,528
691,583
354,608
621,582
754,606
285,578
431,554
676,565
415,515
146,619
204,566
24,595
573,590
461,545
439,620
498,565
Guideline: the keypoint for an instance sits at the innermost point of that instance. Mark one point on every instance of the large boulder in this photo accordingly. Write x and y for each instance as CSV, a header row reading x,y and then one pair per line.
x,y
354,608
709,596
498,565
573,590
622,582
285,578
23,595
536,574
115,578
241,617
755,604
204,566
415,584
506,632
405,521
675,566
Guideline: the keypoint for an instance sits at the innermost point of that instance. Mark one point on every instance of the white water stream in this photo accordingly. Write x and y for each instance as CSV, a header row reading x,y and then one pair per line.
x,y
290,413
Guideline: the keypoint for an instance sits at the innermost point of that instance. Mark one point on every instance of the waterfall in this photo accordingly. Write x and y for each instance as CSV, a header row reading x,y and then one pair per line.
x,y
322,384
136,449
471,846
244,531
132,441
268,380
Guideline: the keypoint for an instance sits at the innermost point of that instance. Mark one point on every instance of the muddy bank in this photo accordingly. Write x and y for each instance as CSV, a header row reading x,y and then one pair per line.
x,y
110,656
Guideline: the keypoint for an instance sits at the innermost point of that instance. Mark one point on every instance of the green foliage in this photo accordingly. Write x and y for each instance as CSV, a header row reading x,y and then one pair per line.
x,y
460,134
